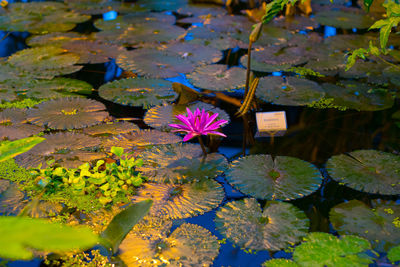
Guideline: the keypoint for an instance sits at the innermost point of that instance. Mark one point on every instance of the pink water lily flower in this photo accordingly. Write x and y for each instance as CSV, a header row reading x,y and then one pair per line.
x,y
198,123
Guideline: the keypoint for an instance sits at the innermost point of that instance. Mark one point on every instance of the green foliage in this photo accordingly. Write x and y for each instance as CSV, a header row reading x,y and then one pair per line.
x,y
83,259
10,149
25,103
362,53
19,235
325,103
123,222
274,7
368,3
302,71
103,184
394,254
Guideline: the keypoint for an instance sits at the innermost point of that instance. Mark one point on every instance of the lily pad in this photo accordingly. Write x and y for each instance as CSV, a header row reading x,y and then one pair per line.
x,y
45,62
322,249
181,201
11,200
392,74
197,54
276,227
112,128
134,142
344,20
138,92
96,7
359,96
295,23
229,24
64,148
326,64
67,113
161,116
218,77
270,36
369,171
394,254
4,184
54,38
39,17
12,116
290,91
283,177
19,131
272,59
180,163
376,223
162,5
93,52
154,64
151,32
280,263
150,244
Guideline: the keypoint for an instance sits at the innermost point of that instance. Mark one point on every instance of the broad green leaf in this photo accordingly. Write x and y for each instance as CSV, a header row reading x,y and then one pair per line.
x,y
19,235
123,222
117,151
378,24
385,31
368,3
9,150
394,254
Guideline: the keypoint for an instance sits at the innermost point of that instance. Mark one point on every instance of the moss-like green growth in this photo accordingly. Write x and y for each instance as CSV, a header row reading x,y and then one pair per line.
x,y
324,103
84,259
302,71
25,103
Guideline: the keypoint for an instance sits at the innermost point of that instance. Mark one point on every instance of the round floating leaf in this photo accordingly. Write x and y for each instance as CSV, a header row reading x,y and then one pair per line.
x,y
295,23
276,227
154,64
162,5
96,7
272,59
133,142
138,92
344,20
197,54
322,249
270,36
188,245
67,113
50,89
8,72
369,171
160,117
19,131
181,201
113,128
93,52
4,184
11,201
63,147
218,77
392,74
54,38
229,24
283,177
45,61
151,32
201,10
379,224
40,234
280,263
290,91
12,116
326,64
39,17
394,254
359,96
180,163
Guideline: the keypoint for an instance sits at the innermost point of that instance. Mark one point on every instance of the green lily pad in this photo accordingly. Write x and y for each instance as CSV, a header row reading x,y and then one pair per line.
x,y
154,64
54,38
195,53
92,52
326,64
270,36
392,74
112,128
138,92
96,7
283,177
150,244
218,77
229,24
4,184
359,96
325,250
162,5
68,113
12,116
150,32
272,59
290,91
369,171
295,23
280,263
9,72
376,223
45,62
181,201
277,226
394,254
40,234
39,17
180,163
201,10
19,131
136,141
64,147
161,116
344,20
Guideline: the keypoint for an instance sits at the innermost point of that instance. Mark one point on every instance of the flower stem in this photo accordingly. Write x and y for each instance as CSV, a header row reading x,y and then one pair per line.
x,y
202,146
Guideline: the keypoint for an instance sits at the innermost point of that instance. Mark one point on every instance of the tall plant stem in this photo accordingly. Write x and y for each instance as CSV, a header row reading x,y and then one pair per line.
x,y
202,147
248,69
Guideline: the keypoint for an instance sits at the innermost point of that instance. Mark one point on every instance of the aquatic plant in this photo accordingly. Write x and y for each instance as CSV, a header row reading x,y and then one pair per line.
x,y
105,182
326,250
10,149
394,254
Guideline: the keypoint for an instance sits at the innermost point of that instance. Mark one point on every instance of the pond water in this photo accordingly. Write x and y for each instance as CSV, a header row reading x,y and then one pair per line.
x,y
341,146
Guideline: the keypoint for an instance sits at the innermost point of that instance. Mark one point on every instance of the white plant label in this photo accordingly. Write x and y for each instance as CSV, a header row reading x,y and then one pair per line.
x,y
271,121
